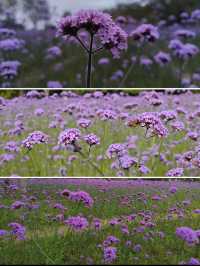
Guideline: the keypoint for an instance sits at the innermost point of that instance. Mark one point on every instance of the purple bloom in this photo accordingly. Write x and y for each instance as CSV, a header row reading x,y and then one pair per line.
x,y
39,112
17,205
37,137
173,189
193,261
145,32
137,248
185,33
84,123
9,69
116,150
77,223
110,240
18,231
54,84
175,172
81,196
144,169
187,234
69,136
92,139
110,35
127,161
152,122
168,115
110,254
178,126
3,233
162,58
11,146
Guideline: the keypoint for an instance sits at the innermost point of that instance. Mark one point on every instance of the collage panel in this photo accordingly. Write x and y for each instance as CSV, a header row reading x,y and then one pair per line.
x,y
104,44
99,132
93,133
99,222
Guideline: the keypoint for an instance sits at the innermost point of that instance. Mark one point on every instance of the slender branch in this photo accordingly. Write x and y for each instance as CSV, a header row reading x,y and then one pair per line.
x,y
82,44
126,75
98,49
89,67
93,165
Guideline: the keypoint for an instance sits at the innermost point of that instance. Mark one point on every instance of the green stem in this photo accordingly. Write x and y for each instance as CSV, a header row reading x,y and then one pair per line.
x,y
92,164
89,66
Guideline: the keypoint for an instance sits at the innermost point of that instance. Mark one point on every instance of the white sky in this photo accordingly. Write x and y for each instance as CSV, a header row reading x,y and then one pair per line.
x,y
75,5
58,7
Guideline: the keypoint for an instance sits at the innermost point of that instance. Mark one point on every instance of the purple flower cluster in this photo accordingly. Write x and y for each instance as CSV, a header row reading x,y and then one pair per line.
x,y
145,32
92,139
188,235
36,137
98,24
162,58
11,146
175,172
9,69
81,196
116,150
84,123
69,136
150,121
77,223
183,51
18,231
110,254
127,161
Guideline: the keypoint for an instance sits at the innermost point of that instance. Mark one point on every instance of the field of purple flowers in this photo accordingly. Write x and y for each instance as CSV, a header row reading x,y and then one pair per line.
x,y
90,48
96,221
100,134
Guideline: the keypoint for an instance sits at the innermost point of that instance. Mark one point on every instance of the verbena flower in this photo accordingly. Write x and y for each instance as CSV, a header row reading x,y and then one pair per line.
x,y
188,235
127,161
84,123
69,136
110,254
162,58
98,24
175,172
92,139
9,69
81,196
145,32
36,137
151,121
17,205
77,223
18,230
116,150
11,146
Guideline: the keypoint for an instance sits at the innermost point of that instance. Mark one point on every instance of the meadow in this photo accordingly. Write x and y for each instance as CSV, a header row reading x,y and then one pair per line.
x,y
95,221
96,134
164,54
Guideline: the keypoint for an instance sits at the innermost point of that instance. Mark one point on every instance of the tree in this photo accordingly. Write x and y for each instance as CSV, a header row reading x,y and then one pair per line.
x,y
165,8
8,9
37,11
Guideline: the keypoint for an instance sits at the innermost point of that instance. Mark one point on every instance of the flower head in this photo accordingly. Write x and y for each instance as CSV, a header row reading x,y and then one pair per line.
x,y
36,137
69,136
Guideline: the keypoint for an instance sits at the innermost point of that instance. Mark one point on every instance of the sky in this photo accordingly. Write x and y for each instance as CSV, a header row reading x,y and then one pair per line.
x,y
58,7
75,5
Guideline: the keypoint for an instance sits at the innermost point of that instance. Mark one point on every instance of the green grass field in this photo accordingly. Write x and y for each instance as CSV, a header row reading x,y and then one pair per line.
x,y
45,160
49,241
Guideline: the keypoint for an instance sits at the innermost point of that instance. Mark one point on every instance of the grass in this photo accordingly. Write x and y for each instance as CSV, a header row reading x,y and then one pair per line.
x,y
43,161
49,242
36,70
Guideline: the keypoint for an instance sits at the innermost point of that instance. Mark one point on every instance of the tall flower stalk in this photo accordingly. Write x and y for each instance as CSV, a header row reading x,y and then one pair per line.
x,y
103,33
